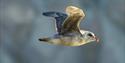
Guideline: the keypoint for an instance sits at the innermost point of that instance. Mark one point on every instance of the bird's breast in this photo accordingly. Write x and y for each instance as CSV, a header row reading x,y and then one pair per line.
x,y
68,41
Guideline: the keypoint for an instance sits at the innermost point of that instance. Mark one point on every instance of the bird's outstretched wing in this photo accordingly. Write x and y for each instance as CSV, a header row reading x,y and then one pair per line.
x,y
71,24
67,23
60,17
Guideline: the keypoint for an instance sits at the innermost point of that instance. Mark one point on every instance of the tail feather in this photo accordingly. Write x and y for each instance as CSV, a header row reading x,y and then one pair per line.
x,y
43,39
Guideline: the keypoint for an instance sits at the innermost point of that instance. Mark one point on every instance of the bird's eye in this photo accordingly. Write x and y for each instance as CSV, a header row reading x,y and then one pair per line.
x,y
89,34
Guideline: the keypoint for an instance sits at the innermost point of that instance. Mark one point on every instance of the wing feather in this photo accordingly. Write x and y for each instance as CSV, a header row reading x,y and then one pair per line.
x,y
67,23
60,17
71,24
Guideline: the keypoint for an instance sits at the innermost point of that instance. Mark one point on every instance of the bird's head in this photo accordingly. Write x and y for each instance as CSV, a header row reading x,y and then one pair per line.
x,y
89,36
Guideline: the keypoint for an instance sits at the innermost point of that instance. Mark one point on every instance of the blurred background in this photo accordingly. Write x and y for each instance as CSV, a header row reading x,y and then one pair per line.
x,y
22,23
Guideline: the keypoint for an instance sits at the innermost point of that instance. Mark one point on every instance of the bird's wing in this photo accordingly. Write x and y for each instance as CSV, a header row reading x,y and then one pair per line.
x,y
71,24
60,17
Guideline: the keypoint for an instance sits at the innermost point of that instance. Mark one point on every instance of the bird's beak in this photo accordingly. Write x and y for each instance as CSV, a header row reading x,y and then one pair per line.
x,y
96,38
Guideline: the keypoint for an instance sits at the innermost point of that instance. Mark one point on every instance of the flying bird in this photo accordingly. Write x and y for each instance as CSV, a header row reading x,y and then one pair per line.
x,y
69,33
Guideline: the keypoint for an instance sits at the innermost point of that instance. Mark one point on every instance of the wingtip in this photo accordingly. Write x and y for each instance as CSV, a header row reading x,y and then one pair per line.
x,y
49,14
44,13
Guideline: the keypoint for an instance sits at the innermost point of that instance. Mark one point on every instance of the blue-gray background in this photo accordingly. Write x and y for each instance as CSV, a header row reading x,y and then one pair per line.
x,y
22,23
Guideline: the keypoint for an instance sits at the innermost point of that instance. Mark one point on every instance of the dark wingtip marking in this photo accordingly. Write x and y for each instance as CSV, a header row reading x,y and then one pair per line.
x,y
44,13
50,14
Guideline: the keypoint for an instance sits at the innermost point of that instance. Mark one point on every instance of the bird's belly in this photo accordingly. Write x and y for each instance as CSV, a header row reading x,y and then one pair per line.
x,y
68,41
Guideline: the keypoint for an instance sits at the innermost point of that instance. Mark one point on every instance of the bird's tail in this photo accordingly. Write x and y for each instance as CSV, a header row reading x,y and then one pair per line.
x,y
44,39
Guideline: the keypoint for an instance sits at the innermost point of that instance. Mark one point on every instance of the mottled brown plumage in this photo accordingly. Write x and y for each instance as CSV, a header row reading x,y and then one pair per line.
x,y
71,24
